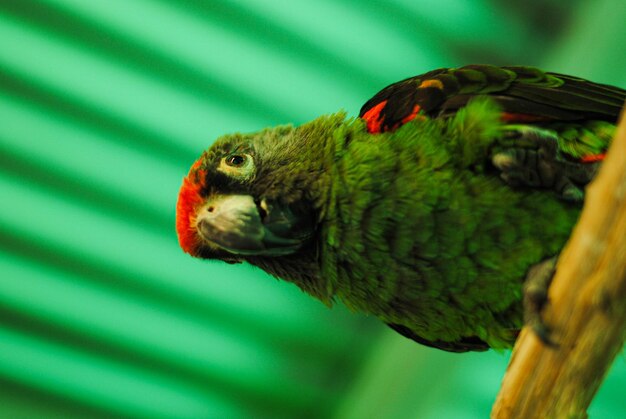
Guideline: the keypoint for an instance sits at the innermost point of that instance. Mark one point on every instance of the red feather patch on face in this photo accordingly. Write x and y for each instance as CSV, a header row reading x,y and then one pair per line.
x,y
189,199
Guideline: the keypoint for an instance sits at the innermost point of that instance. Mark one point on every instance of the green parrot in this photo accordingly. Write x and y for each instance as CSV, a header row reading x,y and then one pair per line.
x,y
430,211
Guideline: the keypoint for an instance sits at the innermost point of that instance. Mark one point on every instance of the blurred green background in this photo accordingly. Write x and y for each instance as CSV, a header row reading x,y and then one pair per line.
x,y
104,105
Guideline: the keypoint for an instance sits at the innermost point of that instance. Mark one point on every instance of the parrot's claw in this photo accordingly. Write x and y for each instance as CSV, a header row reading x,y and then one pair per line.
x,y
531,158
543,332
536,287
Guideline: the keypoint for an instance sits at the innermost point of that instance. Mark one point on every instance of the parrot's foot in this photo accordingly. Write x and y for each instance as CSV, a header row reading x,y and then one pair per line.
x,y
536,286
531,158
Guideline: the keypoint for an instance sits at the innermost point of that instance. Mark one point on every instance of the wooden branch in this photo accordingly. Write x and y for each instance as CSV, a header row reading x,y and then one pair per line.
x,y
587,309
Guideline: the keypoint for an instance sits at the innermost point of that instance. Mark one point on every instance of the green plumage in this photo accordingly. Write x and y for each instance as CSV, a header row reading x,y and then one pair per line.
x,y
428,211
420,232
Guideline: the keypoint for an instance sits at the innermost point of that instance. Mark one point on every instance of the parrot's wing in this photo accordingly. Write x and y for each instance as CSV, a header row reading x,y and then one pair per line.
x,y
525,94
465,344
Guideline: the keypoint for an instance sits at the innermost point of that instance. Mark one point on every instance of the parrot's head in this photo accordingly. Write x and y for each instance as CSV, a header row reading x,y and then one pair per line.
x,y
251,196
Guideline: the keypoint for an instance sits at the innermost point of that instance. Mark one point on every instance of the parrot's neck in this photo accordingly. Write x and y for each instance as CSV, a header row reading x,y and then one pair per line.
x,y
319,142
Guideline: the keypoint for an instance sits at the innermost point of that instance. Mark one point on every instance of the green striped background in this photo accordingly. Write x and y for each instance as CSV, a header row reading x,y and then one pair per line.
x,y
103,107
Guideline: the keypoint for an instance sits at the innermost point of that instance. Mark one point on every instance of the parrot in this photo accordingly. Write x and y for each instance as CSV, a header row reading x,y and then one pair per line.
x,y
433,210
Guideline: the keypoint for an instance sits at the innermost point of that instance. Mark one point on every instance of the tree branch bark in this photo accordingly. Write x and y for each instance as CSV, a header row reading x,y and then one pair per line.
x,y
586,310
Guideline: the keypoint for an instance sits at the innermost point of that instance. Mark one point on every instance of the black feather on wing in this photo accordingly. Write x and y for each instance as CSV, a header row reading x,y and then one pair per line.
x,y
518,90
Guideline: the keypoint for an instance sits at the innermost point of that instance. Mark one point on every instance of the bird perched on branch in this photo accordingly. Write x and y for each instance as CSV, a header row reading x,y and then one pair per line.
x,y
450,194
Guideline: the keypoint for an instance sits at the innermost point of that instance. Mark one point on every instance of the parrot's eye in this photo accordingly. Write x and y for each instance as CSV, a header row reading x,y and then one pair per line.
x,y
236,160
238,165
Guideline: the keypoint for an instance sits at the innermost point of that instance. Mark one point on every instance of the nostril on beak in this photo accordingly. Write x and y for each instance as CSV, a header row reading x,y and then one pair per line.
x,y
211,208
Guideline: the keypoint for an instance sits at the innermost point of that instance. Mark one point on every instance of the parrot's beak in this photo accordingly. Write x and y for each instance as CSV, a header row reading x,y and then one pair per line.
x,y
242,225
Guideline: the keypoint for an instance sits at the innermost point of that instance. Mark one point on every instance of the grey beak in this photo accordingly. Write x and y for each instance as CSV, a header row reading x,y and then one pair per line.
x,y
242,225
